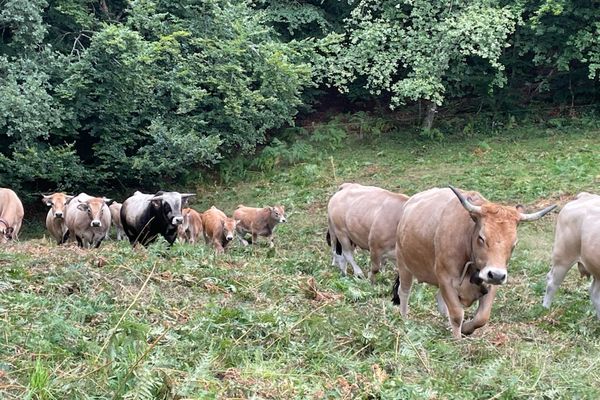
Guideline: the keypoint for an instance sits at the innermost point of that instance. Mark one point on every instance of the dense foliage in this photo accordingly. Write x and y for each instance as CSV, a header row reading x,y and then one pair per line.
x,y
115,93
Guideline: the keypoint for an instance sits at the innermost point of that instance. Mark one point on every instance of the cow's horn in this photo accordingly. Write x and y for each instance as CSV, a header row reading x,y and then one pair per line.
x,y
472,208
188,194
157,198
537,215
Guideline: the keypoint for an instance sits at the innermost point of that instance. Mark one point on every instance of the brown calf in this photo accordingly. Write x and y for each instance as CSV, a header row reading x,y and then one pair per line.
x,y
191,229
218,229
258,222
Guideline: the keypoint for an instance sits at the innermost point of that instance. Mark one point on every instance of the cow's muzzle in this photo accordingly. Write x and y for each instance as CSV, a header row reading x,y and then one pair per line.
x,y
95,223
58,214
229,238
282,219
177,220
493,275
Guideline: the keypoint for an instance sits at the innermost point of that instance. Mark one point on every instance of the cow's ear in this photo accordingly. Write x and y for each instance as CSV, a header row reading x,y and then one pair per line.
x,y
83,207
69,198
156,203
107,201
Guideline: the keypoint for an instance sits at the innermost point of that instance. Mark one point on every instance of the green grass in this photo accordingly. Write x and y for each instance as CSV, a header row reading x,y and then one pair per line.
x,y
181,323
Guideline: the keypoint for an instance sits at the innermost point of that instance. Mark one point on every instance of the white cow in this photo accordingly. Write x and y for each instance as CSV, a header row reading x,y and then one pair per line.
x,y
577,241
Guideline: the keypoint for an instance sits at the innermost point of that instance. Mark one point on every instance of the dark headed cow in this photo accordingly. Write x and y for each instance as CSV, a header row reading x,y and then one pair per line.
x,y
55,219
88,220
145,216
367,217
461,243
11,215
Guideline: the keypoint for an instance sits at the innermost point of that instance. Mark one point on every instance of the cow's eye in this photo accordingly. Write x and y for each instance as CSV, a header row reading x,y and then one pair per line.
x,y
480,239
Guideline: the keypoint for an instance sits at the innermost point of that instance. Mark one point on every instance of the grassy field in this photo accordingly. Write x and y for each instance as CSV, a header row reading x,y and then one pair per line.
x,y
123,323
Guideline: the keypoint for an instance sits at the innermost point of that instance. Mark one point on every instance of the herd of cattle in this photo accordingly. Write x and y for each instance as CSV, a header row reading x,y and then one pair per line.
x,y
142,218
453,239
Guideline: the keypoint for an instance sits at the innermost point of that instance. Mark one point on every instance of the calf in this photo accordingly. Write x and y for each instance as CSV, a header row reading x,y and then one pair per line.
x,y
11,215
364,217
55,219
218,229
191,229
145,216
115,215
88,220
576,242
258,222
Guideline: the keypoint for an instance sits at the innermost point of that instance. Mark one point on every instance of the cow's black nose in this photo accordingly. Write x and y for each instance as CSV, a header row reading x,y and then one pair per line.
x,y
96,223
496,276
58,214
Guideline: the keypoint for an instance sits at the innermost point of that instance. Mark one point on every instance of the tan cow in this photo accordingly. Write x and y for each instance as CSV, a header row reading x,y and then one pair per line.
x,y
191,229
217,228
11,215
452,239
258,222
88,220
367,217
55,219
577,241
115,217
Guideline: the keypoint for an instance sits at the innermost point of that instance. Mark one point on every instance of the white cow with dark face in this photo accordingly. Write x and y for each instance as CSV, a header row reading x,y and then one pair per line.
x,y
145,216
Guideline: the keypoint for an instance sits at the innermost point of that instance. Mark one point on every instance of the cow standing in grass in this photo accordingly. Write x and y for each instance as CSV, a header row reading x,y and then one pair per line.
x,y
457,241
191,229
88,220
145,216
115,215
367,217
11,215
218,228
55,219
258,222
577,242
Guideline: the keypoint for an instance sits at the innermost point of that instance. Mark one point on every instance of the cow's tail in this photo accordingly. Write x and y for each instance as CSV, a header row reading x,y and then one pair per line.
x,y
395,297
338,246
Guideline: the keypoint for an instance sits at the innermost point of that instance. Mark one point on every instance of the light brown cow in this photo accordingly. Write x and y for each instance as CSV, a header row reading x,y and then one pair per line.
x,y
88,220
11,215
191,229
55,219
258,222
445,237
576,241
367,217
115,217
218,228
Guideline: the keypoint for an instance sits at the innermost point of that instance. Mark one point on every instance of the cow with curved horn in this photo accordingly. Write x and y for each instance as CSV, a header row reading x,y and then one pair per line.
x,y
145,216
460,242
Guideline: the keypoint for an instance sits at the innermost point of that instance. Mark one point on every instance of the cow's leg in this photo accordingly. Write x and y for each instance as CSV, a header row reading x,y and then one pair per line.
x,y
482,315
556,275
347,250
406,281
441,306
79,241
254,238
218,246
456,313
376,260
270,238
595,295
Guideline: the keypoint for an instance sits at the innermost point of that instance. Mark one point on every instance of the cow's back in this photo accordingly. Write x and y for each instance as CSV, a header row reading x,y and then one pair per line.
x,y
434,225
352,210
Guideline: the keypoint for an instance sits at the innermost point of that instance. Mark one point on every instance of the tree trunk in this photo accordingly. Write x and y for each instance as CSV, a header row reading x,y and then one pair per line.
x,y
430,116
